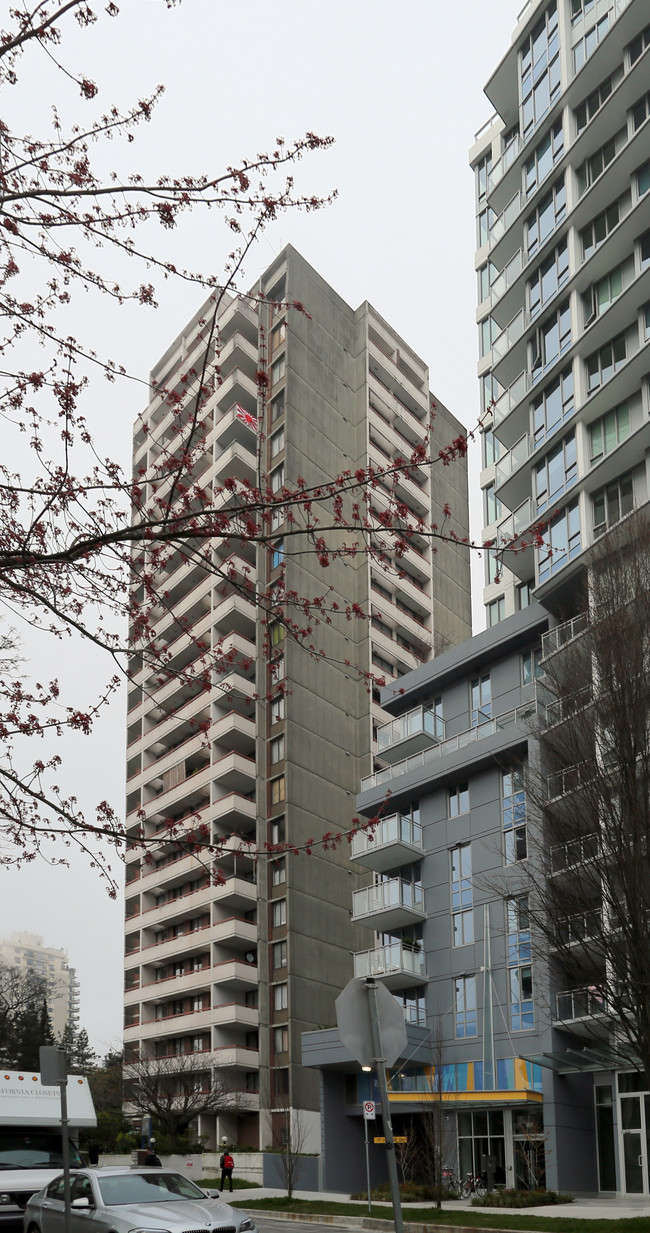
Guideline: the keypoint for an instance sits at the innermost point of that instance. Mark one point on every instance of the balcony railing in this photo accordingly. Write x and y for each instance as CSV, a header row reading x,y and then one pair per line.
x,y
580,1003
568,780
396,828
579,927
509,336
452,744
505,220
420,722
574,852
514,459
516,523
509,274
563,634
389,960
505,162
511,398
396,893
566,707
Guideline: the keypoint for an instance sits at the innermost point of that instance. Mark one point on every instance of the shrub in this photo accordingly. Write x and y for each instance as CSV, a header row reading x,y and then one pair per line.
x,y
523,1198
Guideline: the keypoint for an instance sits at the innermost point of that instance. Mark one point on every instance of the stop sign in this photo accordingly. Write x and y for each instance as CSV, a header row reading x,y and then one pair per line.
x,y
353,1018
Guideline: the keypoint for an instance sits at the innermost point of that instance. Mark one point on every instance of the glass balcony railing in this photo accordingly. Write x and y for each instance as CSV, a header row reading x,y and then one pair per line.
x,y
505,220
511,398
579,927
396,828
421,721
574,852
512,527
395,893
514,459
508,337
507,277
391,960
580,1003
563,634
505,162
451,744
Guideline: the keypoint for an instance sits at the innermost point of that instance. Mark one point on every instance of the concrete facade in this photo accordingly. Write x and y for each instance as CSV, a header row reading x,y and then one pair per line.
x,y
232,975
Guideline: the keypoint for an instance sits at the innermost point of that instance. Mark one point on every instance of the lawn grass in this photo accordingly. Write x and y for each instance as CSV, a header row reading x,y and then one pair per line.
x,y
463,1218
239,1183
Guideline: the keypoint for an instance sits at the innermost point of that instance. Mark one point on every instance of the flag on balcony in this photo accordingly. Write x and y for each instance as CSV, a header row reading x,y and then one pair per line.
x,y
246,417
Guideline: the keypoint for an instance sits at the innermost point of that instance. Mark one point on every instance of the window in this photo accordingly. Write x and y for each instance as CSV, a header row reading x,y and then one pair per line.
x,y
277,406
490,392
278,871
486,276
277,665
278,831
485,220
466,1013
613,502
277,442
462,915
539,71
277,478
608,432
542,222
561,542
277,749
644,257
638,45
603,293
553,406
482,171
589,42
278,335
496,610
548,279
493,568
277,554
277,709
492,504
519,956
523,596
279,913
491,446
602,364
278,369
277,635
197,1003
557,472
277,790
640,112
513,813
594,166
280,997
488,331
279,954
481,699
281,1040
458,800
593,103
543,158
643,179
598,230
553,337
531,666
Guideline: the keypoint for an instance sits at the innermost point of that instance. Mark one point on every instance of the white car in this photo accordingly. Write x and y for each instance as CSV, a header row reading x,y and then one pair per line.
x,y
132,1201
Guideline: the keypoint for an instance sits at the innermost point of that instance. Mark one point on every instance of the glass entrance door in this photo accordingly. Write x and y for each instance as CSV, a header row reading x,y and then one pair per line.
x,y
635,1126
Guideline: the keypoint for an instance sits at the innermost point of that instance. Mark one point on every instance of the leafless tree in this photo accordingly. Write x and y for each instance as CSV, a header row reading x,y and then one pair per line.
x,y
290,1134
589,875
174,1090
408,1154
438,1146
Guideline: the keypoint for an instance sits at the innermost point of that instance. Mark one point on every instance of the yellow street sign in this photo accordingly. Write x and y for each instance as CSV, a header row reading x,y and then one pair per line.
x,y
396,1139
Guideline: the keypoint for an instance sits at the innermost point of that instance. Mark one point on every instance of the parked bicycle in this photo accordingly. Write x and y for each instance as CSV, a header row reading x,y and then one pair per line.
x,y
449,1180
474,1185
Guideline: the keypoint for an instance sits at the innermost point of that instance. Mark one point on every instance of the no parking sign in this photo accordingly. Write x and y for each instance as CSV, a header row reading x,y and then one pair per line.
x,y
369,1110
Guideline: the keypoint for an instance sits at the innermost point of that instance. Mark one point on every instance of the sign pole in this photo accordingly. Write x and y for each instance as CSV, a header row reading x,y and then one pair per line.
x,y
380,1064
54,1073
365,1123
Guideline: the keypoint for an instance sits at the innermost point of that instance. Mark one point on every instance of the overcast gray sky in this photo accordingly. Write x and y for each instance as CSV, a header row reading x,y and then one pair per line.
x,y
401,90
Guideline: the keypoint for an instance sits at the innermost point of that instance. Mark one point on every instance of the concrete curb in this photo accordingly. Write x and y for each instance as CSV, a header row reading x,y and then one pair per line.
x,y
371,1222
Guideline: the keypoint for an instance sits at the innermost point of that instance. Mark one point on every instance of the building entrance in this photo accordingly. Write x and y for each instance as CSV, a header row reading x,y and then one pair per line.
x,y
634,1132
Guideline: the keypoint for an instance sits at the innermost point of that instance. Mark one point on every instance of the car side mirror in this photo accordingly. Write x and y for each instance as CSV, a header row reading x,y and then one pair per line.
x,y
81,1203
212,1194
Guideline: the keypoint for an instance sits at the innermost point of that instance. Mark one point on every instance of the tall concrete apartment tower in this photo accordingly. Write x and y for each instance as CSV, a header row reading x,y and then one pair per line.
x,y
233,974
563,263
28,953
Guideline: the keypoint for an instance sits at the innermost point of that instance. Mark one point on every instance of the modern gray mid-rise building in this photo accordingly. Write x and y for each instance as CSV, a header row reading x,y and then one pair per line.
x,y
272,751
501,782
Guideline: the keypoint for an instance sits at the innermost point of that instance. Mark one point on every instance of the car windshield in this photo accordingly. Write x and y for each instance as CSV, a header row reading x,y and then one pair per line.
x,y
21,1148
146,1188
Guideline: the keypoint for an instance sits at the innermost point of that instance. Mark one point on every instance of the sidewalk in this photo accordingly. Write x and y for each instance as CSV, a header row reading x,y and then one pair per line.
x,y
597,1208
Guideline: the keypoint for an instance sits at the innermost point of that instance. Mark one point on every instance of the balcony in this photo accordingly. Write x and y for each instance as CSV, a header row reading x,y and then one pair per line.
x,y
508,429
236,1057
568,780
396,965
237,893
570,856
389,905
451,744
395,840
575,1007
501,228
236,974
235,1014
506,356
410,733
237,933
562,635
509,466
579,927
569,705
